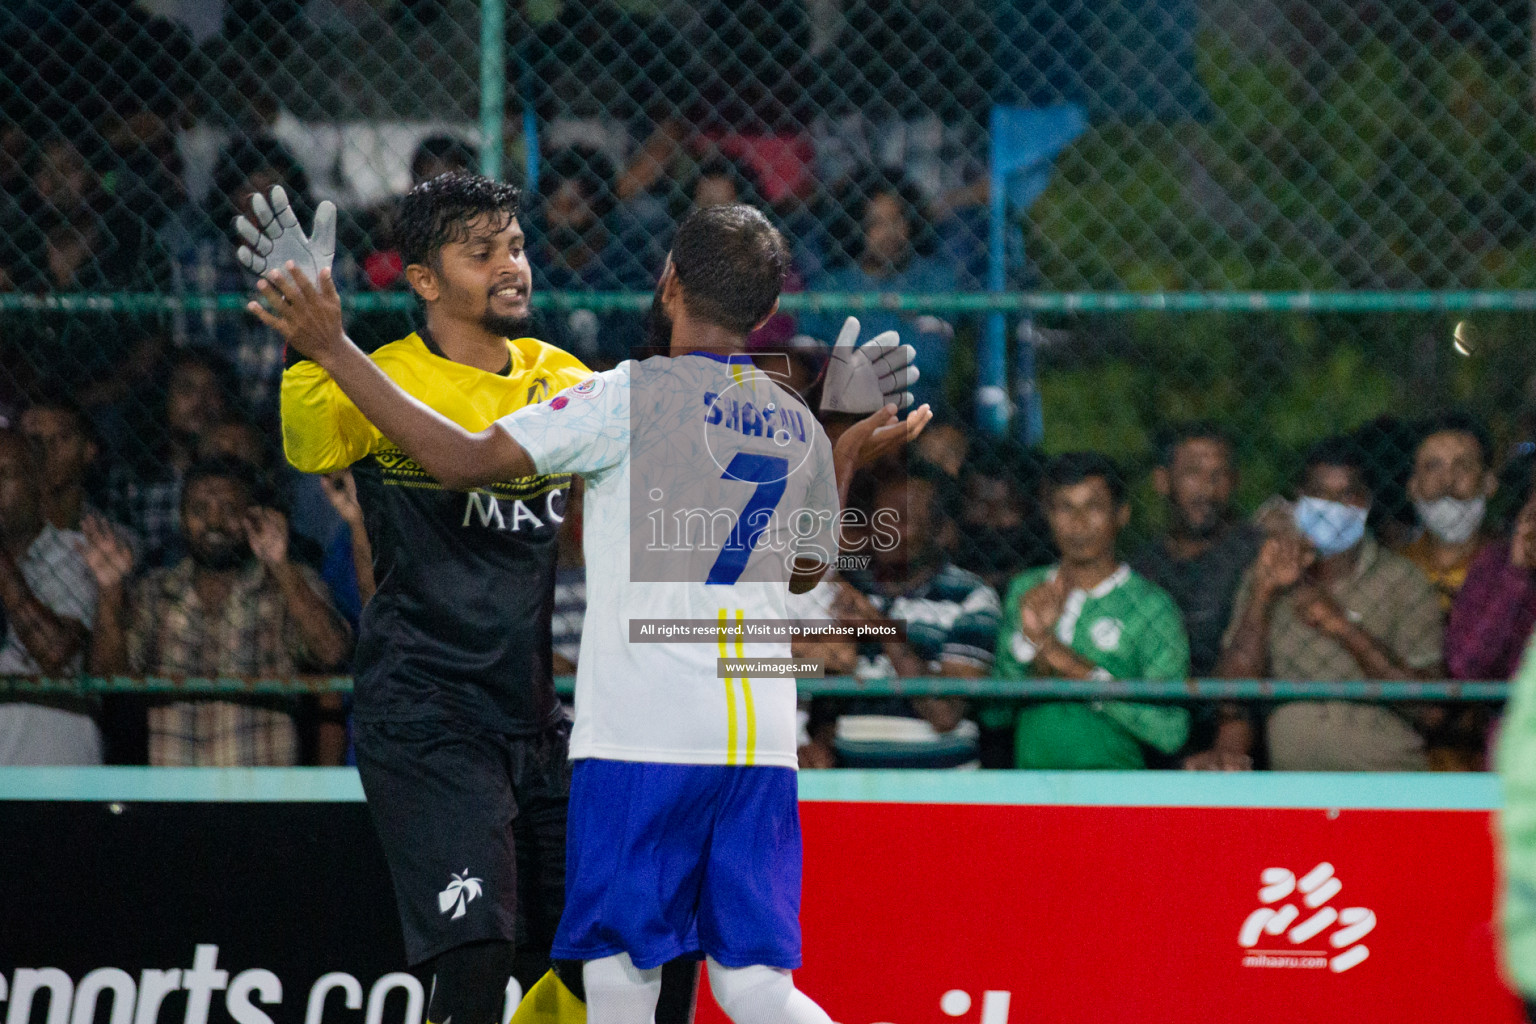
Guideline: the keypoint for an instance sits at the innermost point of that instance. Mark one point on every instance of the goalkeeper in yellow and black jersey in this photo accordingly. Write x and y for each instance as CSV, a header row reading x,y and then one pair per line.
x,y
461,740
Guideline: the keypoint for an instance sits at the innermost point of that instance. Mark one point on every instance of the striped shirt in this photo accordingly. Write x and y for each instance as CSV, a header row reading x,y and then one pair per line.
x,y
951,618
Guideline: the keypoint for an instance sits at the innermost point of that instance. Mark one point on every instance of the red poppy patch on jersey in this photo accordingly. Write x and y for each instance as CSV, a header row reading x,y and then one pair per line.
x,y
559,402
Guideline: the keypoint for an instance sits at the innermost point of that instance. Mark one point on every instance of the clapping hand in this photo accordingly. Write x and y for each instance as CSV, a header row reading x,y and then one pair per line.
x,y
1040,610
341,492
276,239
106,554
266,530
1317,608
306,313
294,274
876,436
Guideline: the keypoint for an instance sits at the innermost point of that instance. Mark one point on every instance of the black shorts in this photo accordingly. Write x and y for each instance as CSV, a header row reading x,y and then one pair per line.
x,y
473,826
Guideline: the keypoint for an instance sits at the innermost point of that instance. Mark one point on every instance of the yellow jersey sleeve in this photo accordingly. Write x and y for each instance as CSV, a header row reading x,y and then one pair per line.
x,y
323,431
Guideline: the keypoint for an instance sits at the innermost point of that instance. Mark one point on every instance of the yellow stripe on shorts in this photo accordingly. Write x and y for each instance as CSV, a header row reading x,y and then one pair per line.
x,y
746,696
730,694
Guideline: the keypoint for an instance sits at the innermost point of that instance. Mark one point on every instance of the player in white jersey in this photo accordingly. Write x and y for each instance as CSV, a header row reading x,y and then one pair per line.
x,y
694,468
711,492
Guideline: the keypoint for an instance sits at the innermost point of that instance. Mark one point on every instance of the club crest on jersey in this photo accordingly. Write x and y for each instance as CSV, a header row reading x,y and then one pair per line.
x,y
589,388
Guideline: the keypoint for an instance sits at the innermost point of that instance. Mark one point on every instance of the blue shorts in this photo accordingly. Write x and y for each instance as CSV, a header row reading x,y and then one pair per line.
x,y
669,860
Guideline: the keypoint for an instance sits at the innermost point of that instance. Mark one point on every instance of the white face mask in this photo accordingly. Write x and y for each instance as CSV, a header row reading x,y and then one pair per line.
x,y
1452,520
1331,526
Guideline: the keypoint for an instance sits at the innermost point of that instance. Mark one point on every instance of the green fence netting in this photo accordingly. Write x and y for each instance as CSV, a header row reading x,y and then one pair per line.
x,y
1095,221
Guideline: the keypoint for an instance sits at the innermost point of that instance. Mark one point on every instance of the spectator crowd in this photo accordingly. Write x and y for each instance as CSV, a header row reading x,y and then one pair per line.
x,y
124,174
150,527
1300,591
210,557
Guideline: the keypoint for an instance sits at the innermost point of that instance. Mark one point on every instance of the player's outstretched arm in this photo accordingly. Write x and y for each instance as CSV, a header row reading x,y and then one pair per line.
x,y
867,441
308,316
871,439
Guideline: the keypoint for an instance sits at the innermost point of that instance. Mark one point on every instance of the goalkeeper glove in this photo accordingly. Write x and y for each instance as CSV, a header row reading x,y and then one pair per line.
x,y
863,379
276,237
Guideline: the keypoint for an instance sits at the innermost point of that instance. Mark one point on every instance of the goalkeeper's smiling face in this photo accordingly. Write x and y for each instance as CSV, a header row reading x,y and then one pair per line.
x,y
483,278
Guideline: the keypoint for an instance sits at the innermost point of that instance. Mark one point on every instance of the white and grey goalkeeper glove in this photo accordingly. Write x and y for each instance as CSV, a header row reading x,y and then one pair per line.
x,y
863,379
277,237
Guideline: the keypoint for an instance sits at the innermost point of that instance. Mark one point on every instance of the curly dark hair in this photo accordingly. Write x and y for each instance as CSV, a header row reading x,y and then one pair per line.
x,y
731,263
439,212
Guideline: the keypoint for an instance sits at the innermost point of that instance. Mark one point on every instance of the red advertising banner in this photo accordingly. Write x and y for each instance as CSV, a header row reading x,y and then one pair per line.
x,y
988,914
929,898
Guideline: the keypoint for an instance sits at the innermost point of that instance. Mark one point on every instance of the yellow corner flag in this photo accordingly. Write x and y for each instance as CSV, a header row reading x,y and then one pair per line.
x,y
550,1002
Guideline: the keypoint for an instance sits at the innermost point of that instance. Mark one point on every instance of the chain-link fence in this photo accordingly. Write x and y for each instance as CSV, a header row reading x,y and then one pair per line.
x,y
1164,145
1054,202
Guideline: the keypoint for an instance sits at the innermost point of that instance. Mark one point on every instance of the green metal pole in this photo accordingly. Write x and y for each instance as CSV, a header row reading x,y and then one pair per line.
x,y
848,686
493,84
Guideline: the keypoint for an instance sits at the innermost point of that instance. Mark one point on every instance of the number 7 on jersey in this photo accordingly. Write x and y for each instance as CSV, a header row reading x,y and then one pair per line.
x,y
771,474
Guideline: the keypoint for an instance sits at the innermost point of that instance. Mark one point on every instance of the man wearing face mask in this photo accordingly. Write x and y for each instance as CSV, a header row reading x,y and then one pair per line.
x,y
236,605
1450,488
1329,603
1494,615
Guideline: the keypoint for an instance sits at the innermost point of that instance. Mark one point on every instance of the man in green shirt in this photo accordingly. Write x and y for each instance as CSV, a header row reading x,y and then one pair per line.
x,y
1090,617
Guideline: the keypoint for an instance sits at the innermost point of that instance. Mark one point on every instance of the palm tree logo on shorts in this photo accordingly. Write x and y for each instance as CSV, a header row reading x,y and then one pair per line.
x,y
459,892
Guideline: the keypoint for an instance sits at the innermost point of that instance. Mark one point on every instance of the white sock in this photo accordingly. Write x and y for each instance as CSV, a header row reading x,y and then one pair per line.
x,y
618,992
762,995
